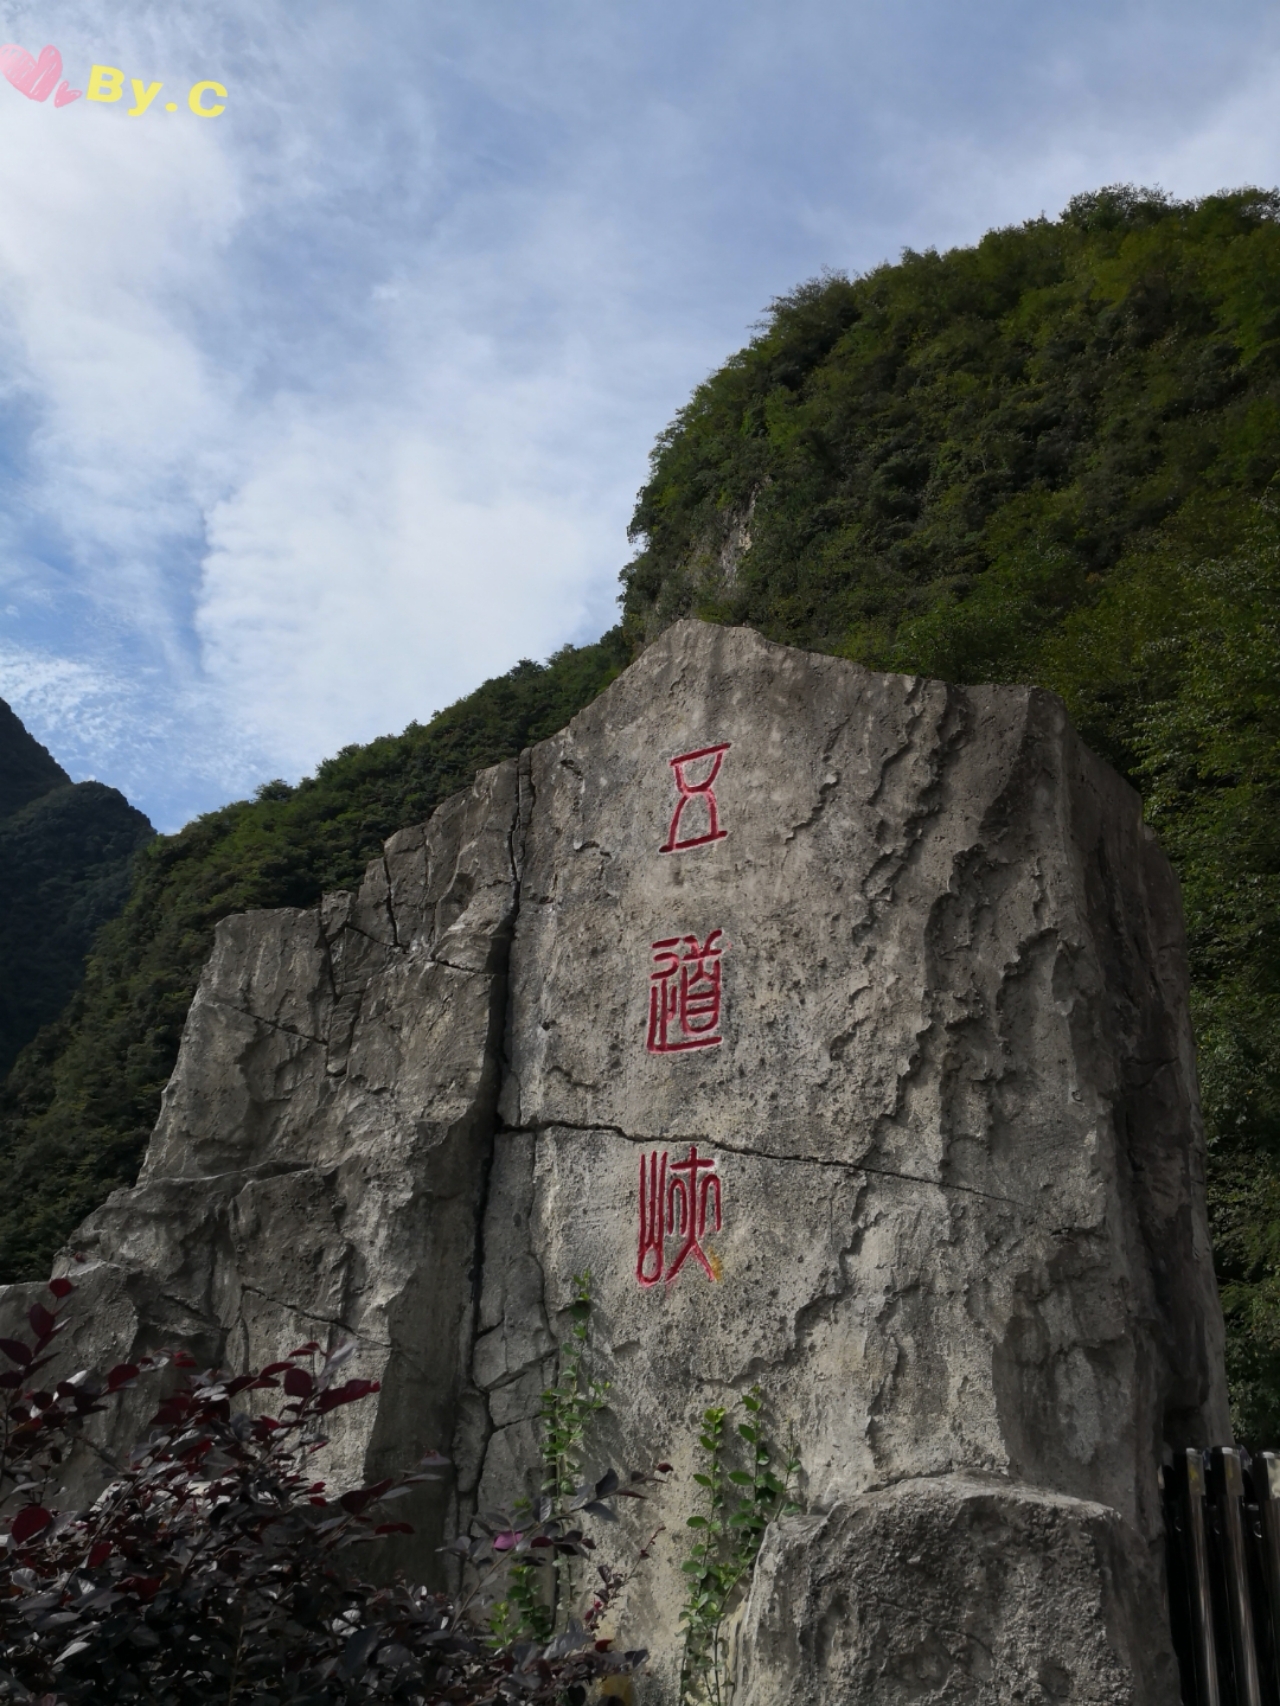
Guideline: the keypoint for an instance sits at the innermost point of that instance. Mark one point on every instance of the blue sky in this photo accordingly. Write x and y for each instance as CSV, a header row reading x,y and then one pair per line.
x,y
316,413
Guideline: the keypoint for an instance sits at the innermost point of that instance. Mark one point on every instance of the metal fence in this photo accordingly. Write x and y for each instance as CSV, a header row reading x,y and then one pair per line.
x,y
1222,1527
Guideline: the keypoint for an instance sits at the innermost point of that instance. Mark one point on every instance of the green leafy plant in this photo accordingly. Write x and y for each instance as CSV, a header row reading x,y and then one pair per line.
x,y
534,1605
741,1503
569,1405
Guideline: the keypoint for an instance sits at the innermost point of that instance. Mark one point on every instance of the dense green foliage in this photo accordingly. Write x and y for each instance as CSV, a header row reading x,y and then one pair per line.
x,y
1048,458
932,463
80,1103
65,855
1051,457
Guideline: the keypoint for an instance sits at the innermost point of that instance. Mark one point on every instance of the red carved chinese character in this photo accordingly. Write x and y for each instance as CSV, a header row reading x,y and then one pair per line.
x,y
684,994
679,1207
690,791
691,1194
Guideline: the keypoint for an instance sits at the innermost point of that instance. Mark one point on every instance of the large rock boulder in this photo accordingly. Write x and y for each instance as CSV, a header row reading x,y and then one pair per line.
x,y
836,1023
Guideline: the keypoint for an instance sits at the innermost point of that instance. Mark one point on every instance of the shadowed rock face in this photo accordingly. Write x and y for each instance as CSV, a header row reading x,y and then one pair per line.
x,y
888,1030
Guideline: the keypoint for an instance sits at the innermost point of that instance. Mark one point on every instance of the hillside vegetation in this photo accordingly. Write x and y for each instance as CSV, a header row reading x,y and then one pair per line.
x,y
66,851
1051,457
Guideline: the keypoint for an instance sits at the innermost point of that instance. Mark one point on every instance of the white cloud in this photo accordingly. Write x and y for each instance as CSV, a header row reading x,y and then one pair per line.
x,y
82,711
353,584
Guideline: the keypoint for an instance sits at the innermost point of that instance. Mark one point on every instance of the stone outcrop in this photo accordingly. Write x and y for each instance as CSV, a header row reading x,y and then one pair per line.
x,y
852,1059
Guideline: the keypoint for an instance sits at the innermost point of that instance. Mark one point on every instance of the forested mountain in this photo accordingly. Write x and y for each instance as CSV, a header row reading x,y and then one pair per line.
x,y
65,854
1051,457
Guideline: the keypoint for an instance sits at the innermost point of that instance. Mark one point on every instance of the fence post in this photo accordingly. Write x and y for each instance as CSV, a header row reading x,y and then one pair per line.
x,y
1191,1485
1230,1488
1266,1475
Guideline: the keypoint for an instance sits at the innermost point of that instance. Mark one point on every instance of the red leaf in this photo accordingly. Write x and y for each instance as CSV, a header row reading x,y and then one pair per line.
x,y
298,1383
99,1554
394,1528
30,1521
10,1380
305,1350
183,1359
274,1368
42,1323
357,1499
15,1350
347,1394
61,1287
122,1373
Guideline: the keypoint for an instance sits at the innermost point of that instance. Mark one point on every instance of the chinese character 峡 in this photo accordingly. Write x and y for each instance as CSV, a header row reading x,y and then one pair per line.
x,y
690,791
684,994
677,1200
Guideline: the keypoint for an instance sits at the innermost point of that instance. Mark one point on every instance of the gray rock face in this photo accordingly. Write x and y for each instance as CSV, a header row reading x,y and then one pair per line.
x,y
951,1590
836,1022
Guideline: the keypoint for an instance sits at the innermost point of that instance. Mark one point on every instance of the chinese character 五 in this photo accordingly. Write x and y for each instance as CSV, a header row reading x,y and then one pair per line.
x,y
691,791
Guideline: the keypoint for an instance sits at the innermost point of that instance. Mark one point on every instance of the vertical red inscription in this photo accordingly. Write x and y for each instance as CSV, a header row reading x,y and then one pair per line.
x,y
677,1200
684,994
708,822
653,1218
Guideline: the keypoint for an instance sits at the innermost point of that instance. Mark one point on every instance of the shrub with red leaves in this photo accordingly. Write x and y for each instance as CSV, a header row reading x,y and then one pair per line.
x,y
214,1566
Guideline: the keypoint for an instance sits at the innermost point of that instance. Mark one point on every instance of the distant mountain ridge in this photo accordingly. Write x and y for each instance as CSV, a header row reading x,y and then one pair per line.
x,y
66,850
27,769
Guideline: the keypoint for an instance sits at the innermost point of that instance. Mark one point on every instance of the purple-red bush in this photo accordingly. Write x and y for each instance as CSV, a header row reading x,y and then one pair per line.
x,y
216,1567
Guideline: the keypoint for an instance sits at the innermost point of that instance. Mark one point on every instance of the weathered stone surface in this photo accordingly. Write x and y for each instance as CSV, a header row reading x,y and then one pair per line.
x,y
952,1591
952,1114
321,1157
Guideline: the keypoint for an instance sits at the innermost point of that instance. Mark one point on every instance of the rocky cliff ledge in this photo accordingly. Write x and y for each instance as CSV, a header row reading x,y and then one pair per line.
x,y
837,1023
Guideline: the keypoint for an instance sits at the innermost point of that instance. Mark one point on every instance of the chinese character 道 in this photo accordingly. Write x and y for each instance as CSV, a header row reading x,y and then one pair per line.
x,y
690,791
677,1200
684,994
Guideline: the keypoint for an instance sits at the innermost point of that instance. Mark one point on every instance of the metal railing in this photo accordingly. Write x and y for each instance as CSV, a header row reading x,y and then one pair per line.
x,y
1222,1529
